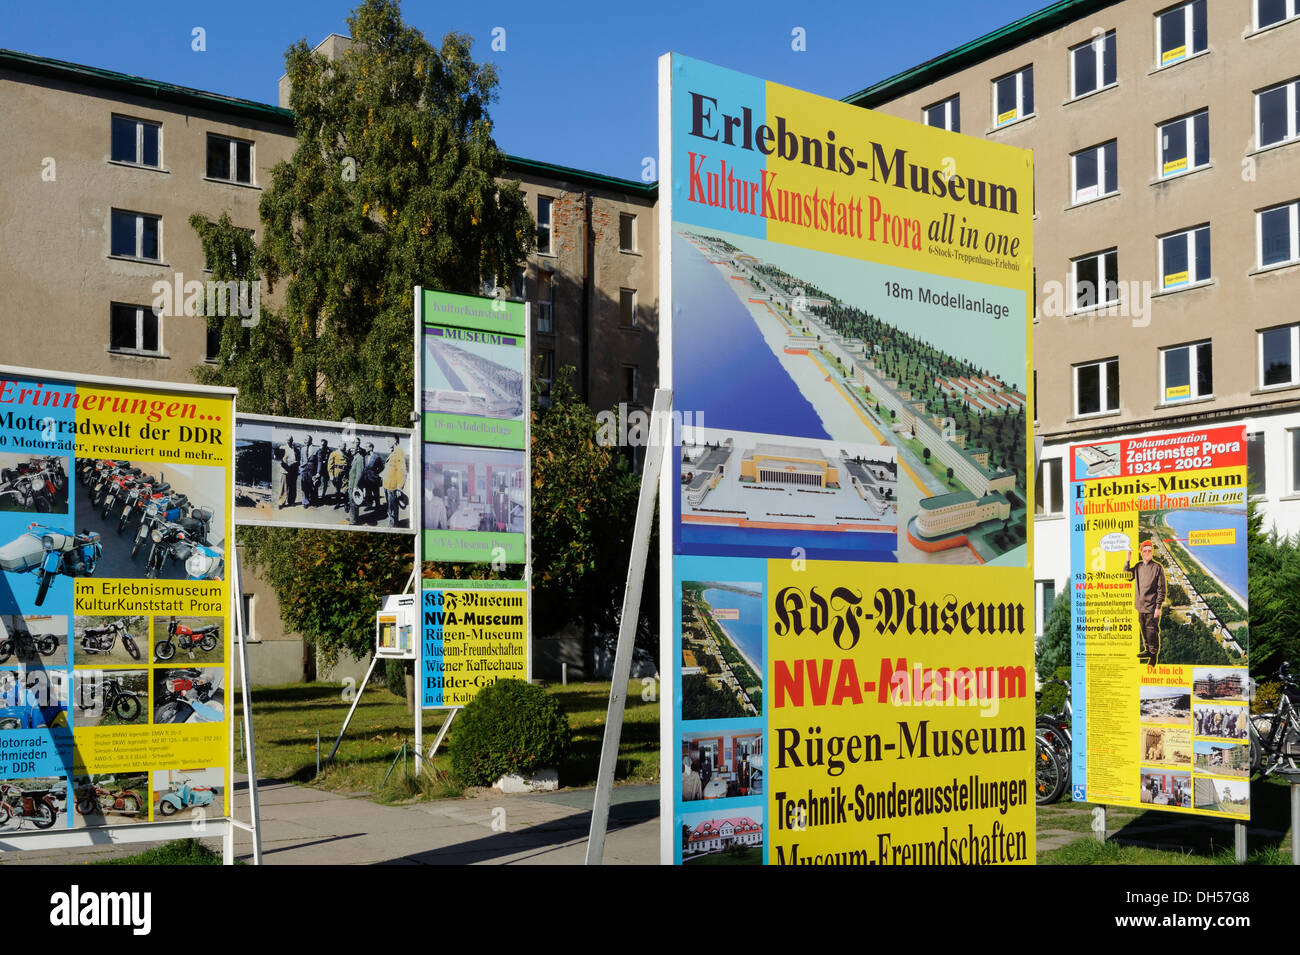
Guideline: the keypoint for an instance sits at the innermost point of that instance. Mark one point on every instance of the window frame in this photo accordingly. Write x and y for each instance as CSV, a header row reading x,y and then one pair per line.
x,y
631,246
1103,281
1259,440
139,348
139,124
140,219
1293,461
546,306
1103,386
1293,208
1292,113
1019,112
951,114
1189,123
548,228
1043,606
1042,501
1099,62
1189,33
1194,392
1293,6
232,143
622,292
624,395
545,375
1102,170
1294,346
1193,259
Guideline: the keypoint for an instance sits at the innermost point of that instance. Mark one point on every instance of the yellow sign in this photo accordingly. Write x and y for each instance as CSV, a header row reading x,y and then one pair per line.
x,y
473,636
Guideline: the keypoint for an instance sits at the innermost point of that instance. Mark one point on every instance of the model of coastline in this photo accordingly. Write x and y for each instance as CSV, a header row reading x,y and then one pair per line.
x,y
1178,557
731,639
841,413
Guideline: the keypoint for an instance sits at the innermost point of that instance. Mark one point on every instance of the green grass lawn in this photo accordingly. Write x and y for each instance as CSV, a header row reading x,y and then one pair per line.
x,y
286,719
176,852
1154,837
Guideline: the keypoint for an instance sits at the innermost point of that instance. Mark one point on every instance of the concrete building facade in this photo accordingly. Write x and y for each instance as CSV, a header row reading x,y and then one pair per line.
x,y
1166,241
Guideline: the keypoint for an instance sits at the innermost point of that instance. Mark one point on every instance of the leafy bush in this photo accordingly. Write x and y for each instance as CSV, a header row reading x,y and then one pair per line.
x,y
395,677
510,727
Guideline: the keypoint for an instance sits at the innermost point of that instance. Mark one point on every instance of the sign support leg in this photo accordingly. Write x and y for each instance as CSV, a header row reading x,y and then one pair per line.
x,y
355,700
246,699
659,436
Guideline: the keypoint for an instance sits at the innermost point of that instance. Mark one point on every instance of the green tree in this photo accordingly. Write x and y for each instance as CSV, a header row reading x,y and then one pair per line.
x,y
584,500
395,181
1274,576
1053,650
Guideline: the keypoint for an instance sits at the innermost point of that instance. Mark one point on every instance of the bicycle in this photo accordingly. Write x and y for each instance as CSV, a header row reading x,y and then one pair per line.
x,y
1052,734
1275,737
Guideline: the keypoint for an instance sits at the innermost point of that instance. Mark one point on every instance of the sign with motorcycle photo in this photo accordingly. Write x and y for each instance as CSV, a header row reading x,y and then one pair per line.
x,y
115,509
331,475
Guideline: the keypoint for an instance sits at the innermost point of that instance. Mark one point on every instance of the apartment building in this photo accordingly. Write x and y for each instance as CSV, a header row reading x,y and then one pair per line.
x,y
1166,144
104,170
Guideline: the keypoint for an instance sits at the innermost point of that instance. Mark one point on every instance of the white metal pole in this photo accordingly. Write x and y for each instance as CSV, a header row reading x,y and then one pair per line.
x,y
627,624
250,750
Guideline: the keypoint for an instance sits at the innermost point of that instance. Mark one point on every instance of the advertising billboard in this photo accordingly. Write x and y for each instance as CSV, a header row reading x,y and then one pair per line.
x,y
330,475
1159,614
475,633
846,526
114,602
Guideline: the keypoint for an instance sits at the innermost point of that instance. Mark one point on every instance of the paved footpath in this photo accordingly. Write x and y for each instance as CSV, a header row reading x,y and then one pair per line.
x,y
303,826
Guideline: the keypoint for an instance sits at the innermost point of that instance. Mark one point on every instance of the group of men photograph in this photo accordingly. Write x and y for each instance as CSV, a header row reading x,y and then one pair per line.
x,y
351,476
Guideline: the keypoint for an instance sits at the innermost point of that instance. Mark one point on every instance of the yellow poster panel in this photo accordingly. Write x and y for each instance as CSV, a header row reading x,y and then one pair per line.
x,y
900,705
1160,623
473,636
117,568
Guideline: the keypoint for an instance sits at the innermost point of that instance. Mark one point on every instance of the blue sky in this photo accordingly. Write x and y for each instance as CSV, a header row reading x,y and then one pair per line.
x,y
577,79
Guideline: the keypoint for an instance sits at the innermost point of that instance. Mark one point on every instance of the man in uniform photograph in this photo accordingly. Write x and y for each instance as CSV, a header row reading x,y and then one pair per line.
x,y
1148,599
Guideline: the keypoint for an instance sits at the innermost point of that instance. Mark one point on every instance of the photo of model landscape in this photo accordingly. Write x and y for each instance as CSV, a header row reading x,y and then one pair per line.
x,y
1165,705
1205,617
473,373
855,371
792,486
716,839
722,649
1098,460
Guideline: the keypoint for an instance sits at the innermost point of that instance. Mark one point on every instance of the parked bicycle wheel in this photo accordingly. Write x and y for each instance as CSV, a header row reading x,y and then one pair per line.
x,y
1049,772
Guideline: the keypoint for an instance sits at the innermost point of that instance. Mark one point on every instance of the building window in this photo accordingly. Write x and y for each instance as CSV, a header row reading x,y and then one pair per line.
x,y
230,160
1096,387
1279,234
1184,143
1186,372
546,302
545,375
135,141
1293,444
1269,12
1013,96
134,328
1096,280
627,307
1277,113
134,235
1044,597
1180,32
544,204
1278,348
1049,494
1256,483
246,608
626,232
1185,257
629,384
1094,172
945,115
1093,64
212,347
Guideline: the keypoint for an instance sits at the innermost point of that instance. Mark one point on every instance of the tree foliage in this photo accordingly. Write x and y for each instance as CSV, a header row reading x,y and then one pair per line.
x,y
395,181
1053,650
1274,588
584,500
